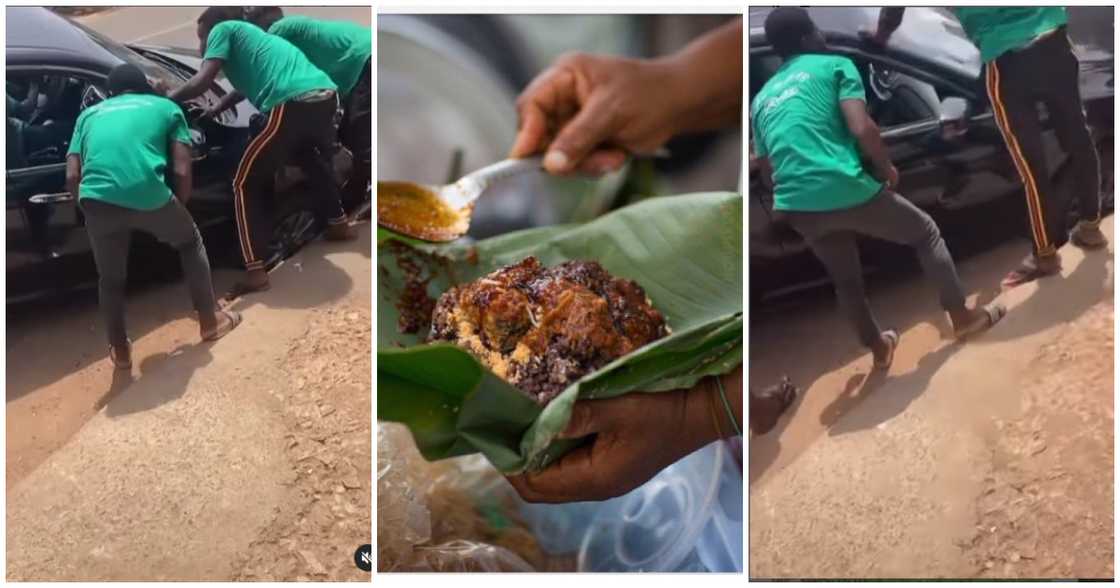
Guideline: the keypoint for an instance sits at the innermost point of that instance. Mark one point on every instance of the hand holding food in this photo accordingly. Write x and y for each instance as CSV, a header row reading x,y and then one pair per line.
x,y
628,449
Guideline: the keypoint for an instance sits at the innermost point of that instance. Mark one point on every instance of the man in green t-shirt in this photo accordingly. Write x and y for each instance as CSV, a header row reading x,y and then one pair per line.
x,y
116,168
810,127
300,102
1029,59
343,51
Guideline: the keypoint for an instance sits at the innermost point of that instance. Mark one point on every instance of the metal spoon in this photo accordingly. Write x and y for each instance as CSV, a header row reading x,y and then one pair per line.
x,y
442,213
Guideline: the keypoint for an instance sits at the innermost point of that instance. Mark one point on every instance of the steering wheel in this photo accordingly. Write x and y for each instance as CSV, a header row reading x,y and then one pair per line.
x,y
882,81
91,95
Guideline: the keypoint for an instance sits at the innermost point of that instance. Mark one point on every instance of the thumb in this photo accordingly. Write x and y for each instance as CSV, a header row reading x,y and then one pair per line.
x,y
587,419
592,125
530,133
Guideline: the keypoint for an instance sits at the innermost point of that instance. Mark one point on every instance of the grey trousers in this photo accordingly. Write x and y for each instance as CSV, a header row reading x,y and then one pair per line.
x,y
832,237
110,230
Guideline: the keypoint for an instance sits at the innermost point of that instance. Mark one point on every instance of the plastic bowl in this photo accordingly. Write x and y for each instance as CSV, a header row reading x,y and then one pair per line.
x,y
687,518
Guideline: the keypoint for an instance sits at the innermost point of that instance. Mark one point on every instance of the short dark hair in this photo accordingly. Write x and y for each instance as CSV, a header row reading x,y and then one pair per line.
x,y
786,26
126,77
217,14
252,13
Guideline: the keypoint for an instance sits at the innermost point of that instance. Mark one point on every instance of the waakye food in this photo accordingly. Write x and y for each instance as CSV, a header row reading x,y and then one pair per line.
x,y
542,328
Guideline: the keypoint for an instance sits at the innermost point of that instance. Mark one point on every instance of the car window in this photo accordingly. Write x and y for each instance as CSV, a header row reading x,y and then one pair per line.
x,y
762,68
40,128
893,98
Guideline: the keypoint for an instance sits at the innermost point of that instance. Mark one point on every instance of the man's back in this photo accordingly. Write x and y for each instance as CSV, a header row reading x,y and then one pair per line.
x,y
997,30
265,68
124,144
799,126
339,48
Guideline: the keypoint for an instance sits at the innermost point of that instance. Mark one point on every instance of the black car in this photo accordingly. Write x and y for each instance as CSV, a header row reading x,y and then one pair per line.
x,y
926,93
48,250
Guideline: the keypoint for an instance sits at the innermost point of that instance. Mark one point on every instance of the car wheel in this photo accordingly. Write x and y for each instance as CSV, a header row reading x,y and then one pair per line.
x,y
295,226
1108,175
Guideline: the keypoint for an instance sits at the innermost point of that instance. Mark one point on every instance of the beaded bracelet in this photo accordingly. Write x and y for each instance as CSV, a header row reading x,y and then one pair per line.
x,y
727,407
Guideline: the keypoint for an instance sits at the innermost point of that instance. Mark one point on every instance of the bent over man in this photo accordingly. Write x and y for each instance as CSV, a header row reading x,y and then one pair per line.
x,y
118,156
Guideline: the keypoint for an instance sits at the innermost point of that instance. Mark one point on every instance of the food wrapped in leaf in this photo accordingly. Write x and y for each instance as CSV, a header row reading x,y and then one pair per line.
x,y
542,328
686,253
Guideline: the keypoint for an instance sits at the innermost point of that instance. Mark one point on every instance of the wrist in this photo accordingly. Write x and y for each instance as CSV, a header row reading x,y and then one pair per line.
x,y
671,77
707,418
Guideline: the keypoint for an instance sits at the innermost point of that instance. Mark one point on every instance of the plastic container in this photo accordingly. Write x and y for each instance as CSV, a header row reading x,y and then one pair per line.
x,y
688,518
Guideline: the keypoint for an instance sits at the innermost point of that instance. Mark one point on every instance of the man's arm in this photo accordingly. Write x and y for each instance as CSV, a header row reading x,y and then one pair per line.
x,y
73,174
712,72
870,141
890,18
225,102
181,170
199,82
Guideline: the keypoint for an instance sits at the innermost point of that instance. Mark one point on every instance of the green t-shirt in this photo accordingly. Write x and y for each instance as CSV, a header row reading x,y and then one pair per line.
x,y
997,30
125,144
265,68
799,127
339,48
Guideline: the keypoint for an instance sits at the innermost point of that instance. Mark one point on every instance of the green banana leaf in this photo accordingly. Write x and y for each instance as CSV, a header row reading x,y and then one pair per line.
x,y
685,251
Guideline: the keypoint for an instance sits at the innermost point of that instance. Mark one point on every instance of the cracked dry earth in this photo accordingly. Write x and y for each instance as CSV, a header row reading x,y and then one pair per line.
x,y
1046,510
327,408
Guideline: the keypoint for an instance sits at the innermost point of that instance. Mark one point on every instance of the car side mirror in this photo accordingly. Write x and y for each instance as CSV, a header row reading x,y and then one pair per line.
x,y
954,117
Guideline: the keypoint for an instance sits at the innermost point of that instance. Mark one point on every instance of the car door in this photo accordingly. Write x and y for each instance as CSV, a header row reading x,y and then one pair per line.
x,y
48,249
942,165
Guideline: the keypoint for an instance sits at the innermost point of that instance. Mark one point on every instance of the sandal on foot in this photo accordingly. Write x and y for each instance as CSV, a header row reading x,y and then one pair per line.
x,y
242,288
341,232
768,406
891,338
1088,237
990,315
120,364
1028,271
233,318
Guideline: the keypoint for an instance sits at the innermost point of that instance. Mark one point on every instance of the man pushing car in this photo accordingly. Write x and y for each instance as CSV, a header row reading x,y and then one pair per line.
x,y
343,50
116,166
300,101
1029,59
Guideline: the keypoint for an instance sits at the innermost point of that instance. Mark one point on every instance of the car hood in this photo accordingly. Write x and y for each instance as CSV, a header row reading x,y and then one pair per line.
x,y
190,60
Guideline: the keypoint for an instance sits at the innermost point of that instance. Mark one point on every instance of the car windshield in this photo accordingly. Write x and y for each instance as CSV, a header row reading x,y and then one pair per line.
x,y
149,67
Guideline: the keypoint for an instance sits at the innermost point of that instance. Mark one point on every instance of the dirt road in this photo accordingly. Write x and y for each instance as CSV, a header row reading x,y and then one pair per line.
x,y
248,458
990,459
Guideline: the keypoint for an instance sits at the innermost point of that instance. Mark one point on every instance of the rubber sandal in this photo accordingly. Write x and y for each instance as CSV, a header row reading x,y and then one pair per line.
x,y
1028,271
1076,237
993,313
769,405
118,363
225,328
241,288
892,339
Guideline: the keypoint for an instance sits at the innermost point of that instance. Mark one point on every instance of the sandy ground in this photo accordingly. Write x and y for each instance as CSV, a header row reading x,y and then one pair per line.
x,y
199,465
989,459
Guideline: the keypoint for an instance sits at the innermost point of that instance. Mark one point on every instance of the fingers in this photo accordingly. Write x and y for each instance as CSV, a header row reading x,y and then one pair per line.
x,y
548,98
590,417
531,133
603,161
591,126
571,479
